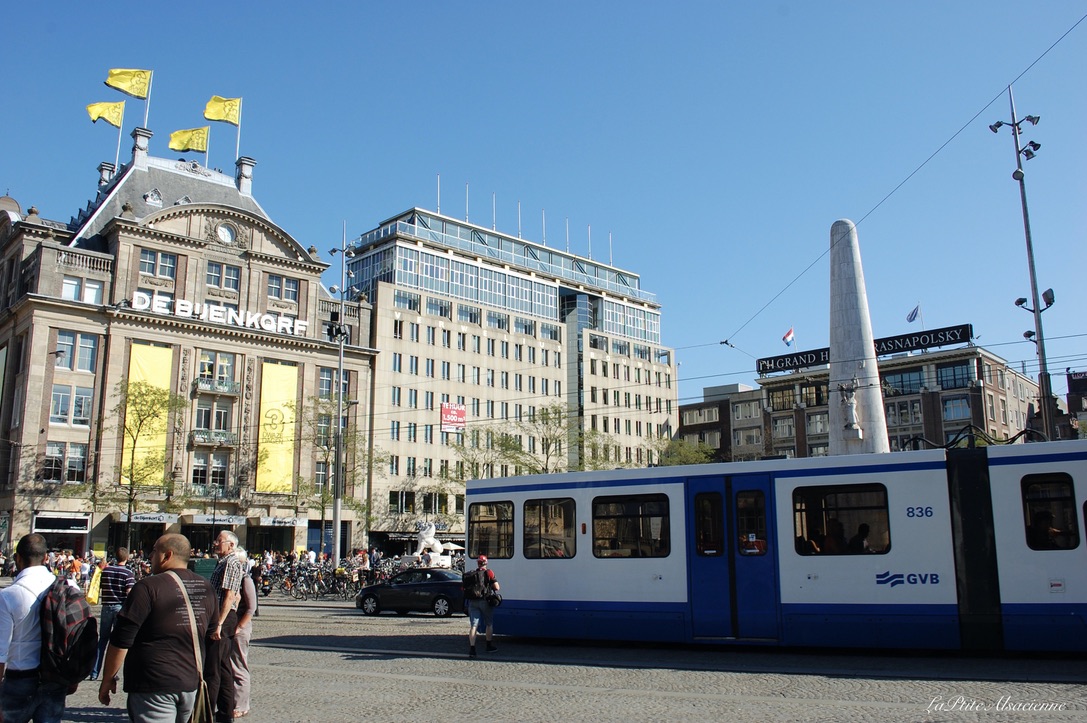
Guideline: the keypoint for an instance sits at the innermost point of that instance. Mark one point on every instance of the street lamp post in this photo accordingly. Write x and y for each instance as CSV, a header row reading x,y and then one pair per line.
x,y
339,331
1044,387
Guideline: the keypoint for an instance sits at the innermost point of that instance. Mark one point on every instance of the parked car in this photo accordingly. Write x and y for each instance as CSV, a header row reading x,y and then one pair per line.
x,y
416,590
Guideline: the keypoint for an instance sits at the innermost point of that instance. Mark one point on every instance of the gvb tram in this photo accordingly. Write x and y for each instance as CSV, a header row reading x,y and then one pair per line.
x,y
974,549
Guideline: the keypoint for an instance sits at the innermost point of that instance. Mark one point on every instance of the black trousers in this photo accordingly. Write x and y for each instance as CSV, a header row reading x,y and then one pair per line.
x,y
218,672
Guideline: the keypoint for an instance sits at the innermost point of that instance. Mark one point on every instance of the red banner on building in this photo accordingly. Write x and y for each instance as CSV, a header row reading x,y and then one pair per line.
x,y
453,416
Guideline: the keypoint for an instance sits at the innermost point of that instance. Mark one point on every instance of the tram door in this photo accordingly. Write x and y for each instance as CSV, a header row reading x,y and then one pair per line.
x,y
733,588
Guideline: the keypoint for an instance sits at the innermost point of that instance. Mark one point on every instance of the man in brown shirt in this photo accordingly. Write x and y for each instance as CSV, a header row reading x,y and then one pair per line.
x,y
153,639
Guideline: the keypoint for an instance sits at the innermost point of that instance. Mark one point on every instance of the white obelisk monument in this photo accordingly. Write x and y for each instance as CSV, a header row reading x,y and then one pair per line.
x,y
858,423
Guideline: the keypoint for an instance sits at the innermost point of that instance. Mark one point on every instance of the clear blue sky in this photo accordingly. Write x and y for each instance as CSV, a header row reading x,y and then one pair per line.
x,y
715,141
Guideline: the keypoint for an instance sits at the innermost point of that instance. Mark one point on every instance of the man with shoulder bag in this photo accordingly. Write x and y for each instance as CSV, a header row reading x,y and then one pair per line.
x,y
154,638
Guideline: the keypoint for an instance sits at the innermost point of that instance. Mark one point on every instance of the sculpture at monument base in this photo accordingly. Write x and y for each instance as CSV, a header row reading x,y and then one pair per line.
x,y
428,538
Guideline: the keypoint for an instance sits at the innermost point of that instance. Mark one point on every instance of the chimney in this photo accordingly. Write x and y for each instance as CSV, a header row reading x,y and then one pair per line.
x,y
244,177
105,172
141,138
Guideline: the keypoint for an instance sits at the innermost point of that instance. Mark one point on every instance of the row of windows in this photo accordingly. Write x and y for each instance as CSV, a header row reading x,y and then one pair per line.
x,y
622,526
495,347
601,367
547,388
827,520
221,276
408,502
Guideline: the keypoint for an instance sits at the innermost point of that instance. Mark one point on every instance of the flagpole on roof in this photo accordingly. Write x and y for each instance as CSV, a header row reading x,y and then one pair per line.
x,y
207,149
117,156
238,135
147,100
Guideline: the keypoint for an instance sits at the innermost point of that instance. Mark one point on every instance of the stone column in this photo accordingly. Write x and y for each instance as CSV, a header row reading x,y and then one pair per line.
x,y
858,422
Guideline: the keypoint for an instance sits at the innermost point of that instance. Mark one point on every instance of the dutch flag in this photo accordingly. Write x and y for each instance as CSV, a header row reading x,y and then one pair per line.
x,y
788,338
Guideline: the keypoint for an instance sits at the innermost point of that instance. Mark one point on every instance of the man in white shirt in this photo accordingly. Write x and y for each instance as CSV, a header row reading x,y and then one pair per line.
x,y
24,696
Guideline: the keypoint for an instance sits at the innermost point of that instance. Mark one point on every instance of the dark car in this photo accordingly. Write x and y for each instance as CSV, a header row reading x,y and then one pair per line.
x,y
418,590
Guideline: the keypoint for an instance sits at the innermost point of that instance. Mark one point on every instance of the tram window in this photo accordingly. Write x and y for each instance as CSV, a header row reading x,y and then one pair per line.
x,y
841,520
709,525
549,528
490,529
1049,512
751,522
631,526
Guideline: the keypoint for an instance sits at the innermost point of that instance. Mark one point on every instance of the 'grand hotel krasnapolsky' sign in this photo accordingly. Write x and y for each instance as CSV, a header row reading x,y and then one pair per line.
x,y
888,345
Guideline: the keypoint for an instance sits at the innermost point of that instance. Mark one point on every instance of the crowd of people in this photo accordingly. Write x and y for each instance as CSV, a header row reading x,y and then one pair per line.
x,y
172,632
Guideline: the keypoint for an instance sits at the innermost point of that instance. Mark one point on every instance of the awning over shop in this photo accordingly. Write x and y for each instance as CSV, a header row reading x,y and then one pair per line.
x,y
149,518
71,523
224,520
278,522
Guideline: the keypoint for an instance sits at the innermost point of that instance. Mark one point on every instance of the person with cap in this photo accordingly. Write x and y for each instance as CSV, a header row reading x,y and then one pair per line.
x,y
476,586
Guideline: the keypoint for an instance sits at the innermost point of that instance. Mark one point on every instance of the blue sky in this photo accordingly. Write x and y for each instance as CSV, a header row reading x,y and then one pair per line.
x,y
715,141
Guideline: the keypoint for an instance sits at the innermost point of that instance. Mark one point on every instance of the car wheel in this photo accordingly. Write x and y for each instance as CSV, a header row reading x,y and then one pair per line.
x,y
442,607
370,605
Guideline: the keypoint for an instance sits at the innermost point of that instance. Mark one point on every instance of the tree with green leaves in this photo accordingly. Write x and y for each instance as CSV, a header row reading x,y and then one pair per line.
x,y
679,451
142,414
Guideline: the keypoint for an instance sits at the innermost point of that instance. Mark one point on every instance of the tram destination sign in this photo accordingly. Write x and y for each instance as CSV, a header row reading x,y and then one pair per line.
x,y
944,336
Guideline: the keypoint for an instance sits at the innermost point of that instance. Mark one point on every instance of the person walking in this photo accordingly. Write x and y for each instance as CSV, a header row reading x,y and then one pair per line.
x,y
24,695
153,640
226,580
239,658
476,586
117,580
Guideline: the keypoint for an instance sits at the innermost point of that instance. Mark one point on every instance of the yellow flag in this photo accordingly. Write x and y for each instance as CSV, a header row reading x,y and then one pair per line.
x,y
136,83
112,113
228,110
193,139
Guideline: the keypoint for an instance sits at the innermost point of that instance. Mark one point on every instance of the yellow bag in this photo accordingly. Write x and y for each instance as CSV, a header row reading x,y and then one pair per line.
x,y
94,587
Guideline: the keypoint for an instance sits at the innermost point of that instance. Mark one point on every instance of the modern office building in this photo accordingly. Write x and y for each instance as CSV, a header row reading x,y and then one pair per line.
x,y
480,333
165,356
931,395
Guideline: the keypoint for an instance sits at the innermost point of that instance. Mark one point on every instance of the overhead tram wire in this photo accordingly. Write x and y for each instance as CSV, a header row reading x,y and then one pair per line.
x,y
915,171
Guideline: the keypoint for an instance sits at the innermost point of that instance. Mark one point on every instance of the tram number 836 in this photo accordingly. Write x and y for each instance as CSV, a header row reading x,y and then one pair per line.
x,y
919,512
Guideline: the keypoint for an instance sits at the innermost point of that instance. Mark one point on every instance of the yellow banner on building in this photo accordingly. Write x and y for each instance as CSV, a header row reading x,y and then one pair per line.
x,y
278,395
153,365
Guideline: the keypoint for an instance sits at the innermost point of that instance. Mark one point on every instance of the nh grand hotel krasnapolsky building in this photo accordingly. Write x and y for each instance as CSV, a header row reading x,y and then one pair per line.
x,y
174,278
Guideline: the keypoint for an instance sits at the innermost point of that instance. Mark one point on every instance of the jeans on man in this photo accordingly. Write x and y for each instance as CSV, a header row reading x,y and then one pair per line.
x,y
105,626
24,698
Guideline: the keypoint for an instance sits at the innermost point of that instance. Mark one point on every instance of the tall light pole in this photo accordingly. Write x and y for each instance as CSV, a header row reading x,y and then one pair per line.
x,y
1044,387
339,331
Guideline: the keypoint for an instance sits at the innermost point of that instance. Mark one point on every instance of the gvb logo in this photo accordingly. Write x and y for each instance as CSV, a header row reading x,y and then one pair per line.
x,y
891,579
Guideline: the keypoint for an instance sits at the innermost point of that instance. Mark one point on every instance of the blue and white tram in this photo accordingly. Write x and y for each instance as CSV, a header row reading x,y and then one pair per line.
x,y
976,549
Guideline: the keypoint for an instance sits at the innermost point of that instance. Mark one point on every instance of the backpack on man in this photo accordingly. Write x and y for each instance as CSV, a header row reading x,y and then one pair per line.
x,y
69,634
476,583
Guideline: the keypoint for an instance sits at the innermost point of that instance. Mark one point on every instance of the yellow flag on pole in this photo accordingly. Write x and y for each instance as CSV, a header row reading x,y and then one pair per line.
x,y
192,139
228,110
136,83
112,113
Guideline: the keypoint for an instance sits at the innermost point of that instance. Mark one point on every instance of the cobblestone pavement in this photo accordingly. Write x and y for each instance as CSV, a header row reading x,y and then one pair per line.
x,y
328,662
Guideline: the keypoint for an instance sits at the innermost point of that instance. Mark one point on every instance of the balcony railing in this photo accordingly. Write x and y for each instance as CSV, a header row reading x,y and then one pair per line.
x,y
213,437
216,386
